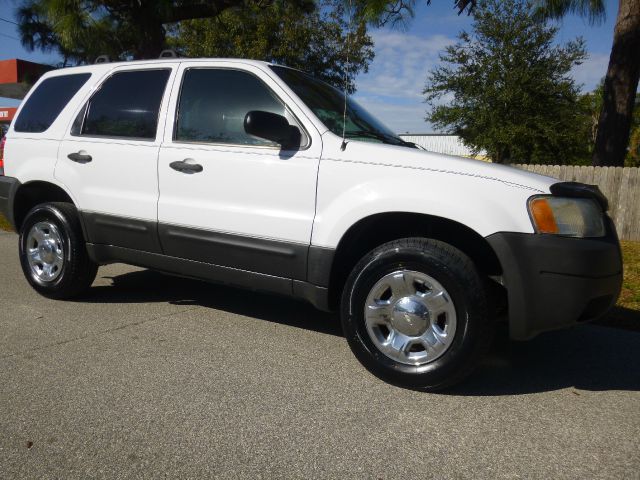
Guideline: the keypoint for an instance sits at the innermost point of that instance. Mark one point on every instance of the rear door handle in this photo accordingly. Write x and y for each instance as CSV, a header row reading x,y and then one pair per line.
x,y
187,166
80,157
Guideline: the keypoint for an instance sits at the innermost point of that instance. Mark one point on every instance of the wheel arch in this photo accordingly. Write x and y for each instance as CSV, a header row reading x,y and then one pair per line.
x,y
34,193
374,230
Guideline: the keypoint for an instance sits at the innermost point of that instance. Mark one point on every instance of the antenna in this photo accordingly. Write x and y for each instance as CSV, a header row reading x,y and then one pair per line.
x,y
346,79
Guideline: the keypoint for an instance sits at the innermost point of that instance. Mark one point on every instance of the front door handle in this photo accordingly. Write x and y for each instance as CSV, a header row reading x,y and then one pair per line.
x,y
187,166
80,157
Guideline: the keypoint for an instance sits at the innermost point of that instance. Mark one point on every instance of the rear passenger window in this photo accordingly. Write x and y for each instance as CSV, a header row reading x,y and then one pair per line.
x,y
214,102
127,105
47,101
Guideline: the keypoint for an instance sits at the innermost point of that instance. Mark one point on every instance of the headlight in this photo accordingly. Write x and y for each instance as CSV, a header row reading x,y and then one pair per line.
x,y
573,217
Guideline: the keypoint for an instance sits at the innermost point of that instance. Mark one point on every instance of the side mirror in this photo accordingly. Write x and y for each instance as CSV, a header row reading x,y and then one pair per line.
x,y
272,126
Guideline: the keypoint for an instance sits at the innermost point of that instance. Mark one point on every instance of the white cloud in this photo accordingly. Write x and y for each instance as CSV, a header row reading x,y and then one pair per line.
x,y
392,90
399,118
400,66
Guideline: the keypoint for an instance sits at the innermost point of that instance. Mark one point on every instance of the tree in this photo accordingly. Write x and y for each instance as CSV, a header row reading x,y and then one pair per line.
x,y
623,73
512,93
319,41
82,29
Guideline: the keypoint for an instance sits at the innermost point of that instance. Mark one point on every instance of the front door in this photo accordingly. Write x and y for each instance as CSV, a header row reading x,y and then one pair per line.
x,y
228,198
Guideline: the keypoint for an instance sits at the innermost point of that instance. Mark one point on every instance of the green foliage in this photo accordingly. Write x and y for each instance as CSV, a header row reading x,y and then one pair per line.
x,y
321,41
633,153
394,12
594,10
506,88
630,294
313,36
383,12
72,29
4,224
80,30
592,106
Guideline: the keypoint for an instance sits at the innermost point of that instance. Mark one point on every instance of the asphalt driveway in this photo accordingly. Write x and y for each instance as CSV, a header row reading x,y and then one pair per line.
x,y
151,376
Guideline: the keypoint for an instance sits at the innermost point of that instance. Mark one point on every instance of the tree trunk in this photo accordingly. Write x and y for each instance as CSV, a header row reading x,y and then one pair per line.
x,y
620,87
150,33
151,42
149,18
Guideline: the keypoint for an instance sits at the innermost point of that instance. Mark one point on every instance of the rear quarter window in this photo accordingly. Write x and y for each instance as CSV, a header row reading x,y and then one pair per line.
x,y
45,104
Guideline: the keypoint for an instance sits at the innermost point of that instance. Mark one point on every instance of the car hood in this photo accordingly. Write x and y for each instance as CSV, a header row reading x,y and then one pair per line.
x,y
414,159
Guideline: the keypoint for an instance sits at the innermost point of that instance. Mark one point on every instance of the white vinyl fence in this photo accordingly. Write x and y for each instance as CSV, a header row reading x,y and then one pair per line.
x,y
434,142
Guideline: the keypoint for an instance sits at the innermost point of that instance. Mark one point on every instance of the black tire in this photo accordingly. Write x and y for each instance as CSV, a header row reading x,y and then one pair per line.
x,y
78,271
458,275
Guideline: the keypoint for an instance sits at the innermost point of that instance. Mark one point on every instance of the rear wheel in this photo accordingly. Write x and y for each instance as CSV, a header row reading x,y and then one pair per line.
x,y
53,254
414,312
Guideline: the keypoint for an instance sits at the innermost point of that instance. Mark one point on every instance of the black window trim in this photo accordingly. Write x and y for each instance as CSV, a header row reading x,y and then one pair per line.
x,y
176,116
84,108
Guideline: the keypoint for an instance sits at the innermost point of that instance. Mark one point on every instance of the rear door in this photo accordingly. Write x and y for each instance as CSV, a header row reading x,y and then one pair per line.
x,y
108,158
249,204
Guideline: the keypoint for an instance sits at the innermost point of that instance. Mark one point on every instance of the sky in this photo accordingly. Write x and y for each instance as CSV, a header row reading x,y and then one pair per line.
x,y
392,89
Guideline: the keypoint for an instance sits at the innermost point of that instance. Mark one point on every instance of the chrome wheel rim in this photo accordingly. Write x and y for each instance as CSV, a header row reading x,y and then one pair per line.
x,y
45,251
410,317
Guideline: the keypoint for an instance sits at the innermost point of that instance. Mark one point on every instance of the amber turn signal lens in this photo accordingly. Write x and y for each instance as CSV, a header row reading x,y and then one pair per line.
x,y
543,216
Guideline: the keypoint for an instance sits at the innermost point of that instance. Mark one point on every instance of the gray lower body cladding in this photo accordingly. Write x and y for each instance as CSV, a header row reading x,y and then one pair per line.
x,y
250,262
554,281
8,188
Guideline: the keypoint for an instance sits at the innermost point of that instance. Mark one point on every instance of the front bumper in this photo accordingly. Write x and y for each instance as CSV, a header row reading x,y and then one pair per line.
x,y
8,188
554,282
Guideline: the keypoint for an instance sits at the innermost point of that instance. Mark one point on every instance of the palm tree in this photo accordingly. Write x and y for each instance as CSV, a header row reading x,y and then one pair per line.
x,y
621,81
381,12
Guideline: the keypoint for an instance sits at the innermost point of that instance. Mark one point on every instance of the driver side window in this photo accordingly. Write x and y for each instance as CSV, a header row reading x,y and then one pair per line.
x,y
214,102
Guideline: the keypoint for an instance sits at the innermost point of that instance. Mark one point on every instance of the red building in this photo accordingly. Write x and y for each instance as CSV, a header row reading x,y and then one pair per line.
x,y
16,78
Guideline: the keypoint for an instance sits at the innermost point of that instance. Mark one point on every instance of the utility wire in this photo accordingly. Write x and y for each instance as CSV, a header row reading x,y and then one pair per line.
x,y
4,34
8,21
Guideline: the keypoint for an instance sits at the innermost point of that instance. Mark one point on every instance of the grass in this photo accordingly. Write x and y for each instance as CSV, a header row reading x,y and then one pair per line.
x,y
4,224
626,313
630,296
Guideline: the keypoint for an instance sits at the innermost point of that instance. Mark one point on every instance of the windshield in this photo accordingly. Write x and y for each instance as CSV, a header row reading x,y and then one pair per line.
x,y
327,103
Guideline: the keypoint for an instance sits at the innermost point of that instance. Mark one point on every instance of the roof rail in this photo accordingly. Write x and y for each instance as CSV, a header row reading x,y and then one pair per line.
x,y
168,54
103,59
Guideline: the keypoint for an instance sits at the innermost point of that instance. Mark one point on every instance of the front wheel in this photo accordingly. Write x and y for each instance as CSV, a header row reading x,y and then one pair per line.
x,y
414,312
53,254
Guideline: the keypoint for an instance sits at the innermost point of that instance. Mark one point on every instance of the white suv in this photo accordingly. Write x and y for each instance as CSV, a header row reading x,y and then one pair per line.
x,y
252,174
